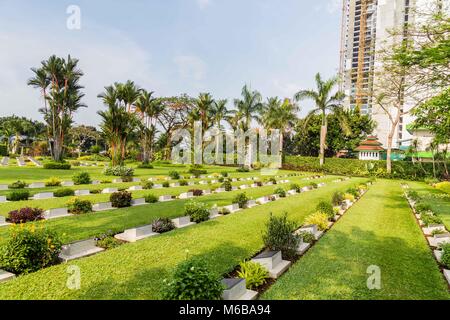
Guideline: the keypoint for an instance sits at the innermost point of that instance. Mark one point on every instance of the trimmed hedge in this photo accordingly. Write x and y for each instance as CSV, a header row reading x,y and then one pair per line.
x,y
57,165
355,167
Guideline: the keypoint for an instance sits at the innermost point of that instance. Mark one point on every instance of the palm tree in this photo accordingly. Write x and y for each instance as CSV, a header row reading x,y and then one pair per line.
x,y
248,107
220,112
280,115
204,109
150,109
325,101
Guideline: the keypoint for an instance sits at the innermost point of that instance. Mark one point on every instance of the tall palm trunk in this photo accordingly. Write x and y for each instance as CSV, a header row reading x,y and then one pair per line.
x,y
323,137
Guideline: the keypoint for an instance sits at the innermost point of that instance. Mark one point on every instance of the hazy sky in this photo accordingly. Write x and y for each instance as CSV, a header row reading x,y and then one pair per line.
x,y
170,47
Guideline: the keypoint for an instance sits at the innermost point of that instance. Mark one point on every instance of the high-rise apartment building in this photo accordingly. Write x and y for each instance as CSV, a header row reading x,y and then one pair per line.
x,y
365,29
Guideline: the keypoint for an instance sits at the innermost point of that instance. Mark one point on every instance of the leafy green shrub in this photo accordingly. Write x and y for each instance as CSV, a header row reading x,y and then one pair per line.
x,y
96,191
121,199
126,178
296,187
196,170
81,178
151,198
118,171
25,215
53,182
145,166
243,169
29,249
337,198
280,192
353,191
313,185
226,185
422,207
107,241
279,237
325,207
445,260
196,192
241,199
273,180
224,211
64,192
413,195
162,225
17,185
320,219
349,197
166,184
57,165
147,185
175,175
78,206
224,174
18,195
198,211
307,237
221,179
193,281
430,219
255,274
183,183
75,163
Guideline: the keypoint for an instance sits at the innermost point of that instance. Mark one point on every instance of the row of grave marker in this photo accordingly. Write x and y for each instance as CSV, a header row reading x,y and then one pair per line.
x,y
434,241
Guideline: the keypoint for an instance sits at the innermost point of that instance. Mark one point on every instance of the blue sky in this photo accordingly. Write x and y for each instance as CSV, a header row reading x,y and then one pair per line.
x,y
170,47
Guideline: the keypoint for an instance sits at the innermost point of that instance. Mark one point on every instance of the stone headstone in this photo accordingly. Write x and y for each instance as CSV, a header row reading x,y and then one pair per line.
x,y
233,207
433,227
138,202
67,184
447,275
79,249
5,276
117,181
82,192
165,198
102,206
109,190
157,186
186,195
37,163
3,187
219,190
235,289
203,182
263,200
234,180
3,221
291,192
273,262
136,234
214,213
43,195
2,199
254,185
175,184
311,229
234,188
191,183
56,213
95,182
136,180
135,188
36,185
251,204
243,187
183,222
206,192
214,181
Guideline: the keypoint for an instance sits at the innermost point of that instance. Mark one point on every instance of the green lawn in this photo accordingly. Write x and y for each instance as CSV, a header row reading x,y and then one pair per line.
x,y
89,225
438,200
136,271
379,230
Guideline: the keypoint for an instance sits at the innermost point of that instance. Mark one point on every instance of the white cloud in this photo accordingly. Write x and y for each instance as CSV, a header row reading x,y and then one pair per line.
x,y
191,67
203,3
333,6
104,60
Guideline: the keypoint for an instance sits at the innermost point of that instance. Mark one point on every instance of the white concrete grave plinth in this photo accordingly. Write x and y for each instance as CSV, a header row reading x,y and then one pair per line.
x,y
43,195
157,186
56,213
183,222
291,192
36,185
273,262
428,231
3,187
206,192
6,276
251,204
82,192
174,184
3,199
102,206
235,289
165,198
214,213
136,234
186,195
67,183
233,207
117,181
439,239
220,190
263,200
95,182
447,275
136,180
302,247
243,187
438,255
203,182
109,190
138,202
79,249
3,221
135,188
311,229
234,188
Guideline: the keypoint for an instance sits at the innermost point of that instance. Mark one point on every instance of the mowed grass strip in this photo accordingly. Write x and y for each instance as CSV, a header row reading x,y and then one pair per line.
x,y
92,224
137,270
438,200
379,230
